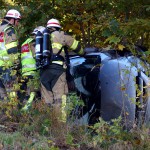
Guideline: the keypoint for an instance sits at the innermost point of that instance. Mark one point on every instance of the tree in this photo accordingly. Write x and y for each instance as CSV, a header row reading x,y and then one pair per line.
x,y
98,23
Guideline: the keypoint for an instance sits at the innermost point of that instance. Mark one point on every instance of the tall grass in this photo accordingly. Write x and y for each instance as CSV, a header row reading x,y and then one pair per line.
x,y
41,129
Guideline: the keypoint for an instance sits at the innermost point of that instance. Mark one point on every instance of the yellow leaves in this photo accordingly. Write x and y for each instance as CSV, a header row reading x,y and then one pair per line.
x,y
127,113
112,39
22,80
49,141
123,88
139,93
142,137
121,47
10,2
74,27
137,141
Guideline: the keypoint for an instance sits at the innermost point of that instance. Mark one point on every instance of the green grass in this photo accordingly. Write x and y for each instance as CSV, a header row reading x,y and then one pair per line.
x,y
40,129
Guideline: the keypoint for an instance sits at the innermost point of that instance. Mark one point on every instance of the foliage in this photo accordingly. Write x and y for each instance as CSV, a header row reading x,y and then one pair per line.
x,y
18,141
108,134
67,136
96,23
105,24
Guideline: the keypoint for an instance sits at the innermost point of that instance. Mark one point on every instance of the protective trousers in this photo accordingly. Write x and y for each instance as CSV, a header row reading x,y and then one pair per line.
x,y
8,89
27,92
56,96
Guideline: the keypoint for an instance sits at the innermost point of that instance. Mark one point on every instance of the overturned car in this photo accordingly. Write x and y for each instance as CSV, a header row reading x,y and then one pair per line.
x,y
112,84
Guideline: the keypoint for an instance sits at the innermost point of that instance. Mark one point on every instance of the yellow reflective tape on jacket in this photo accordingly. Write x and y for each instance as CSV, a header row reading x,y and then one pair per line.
x,y
25,57
7,28
57,45
30,64
28,41
74,44
11,45
58,62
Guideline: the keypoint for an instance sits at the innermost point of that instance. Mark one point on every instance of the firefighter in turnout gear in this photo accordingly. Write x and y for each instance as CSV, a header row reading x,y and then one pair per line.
x,y
30,75
53,77
9,55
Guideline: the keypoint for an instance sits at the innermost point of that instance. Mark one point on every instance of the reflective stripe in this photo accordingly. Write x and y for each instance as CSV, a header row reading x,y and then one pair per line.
x,y
4,57
30,72
29,66
46,51
58,62
28,61
12,44
63,108
2,46
27,41
7,28
26,57
56,45
75,44
29,102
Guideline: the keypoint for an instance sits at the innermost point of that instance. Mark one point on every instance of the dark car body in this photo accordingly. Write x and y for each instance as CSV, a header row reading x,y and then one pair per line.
x,y
112,85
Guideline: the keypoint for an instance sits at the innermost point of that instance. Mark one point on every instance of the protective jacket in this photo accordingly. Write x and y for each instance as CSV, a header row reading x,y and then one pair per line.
x,y
8,45
60,39
9,60
27,60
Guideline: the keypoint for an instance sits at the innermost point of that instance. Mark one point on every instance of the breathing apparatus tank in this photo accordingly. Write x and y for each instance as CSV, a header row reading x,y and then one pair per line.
x,y
47,48
38,49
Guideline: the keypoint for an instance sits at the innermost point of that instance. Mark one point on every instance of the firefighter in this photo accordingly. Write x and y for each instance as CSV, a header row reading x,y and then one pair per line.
x,y
29,72
53,77
9,54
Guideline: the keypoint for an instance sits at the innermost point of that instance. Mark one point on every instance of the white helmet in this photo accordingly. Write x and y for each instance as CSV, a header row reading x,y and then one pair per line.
x,y
12,13
39,28
53,23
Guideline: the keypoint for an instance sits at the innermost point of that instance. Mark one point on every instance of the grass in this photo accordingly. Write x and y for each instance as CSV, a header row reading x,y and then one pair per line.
x,y
42,130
